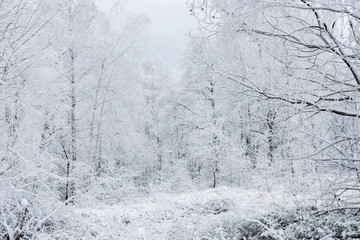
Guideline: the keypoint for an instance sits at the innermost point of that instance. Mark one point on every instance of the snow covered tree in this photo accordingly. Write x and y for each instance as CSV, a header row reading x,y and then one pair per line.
x,y
313,78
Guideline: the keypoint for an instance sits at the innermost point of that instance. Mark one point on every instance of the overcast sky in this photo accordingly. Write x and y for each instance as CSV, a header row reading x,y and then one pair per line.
x,y
171,22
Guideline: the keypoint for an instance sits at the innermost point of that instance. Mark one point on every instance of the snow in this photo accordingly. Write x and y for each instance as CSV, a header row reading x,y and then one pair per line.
x,y
263,100
24,203
171,216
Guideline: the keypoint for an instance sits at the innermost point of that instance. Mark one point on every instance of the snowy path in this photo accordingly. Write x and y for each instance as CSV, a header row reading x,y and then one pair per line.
x,y
170,216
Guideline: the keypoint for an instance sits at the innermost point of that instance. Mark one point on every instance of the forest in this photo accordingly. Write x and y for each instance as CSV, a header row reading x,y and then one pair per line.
x,y
259,138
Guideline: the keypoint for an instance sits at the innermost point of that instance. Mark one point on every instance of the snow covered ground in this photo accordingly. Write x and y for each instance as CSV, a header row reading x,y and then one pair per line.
x,y
169,216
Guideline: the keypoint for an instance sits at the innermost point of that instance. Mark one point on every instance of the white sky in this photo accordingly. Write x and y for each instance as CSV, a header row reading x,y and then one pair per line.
x,y
171,21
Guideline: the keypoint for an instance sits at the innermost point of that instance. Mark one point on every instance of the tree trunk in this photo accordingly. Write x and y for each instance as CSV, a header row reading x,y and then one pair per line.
x,y
73,120
270,118
92,121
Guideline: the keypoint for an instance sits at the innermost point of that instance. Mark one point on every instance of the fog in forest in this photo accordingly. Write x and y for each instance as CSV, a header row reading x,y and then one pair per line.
x,y
179,120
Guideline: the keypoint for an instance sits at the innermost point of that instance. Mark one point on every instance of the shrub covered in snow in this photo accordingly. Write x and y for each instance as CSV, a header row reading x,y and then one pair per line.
x,y
290,225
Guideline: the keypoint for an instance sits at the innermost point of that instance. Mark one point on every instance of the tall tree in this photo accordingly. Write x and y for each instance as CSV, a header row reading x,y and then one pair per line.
x,y
313,77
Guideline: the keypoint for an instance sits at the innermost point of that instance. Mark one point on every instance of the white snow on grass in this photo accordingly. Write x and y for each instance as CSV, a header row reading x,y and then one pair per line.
x,y
170,216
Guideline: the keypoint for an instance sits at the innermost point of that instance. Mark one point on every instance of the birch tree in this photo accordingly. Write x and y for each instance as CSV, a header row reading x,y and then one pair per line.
x,y
314,74
27,183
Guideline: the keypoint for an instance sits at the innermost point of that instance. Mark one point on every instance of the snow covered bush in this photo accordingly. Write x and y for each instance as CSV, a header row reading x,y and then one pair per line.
x,y
29,197
291,225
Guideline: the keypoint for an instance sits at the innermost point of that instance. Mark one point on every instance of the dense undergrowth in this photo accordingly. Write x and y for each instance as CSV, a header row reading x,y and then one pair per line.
x,y
290,225
213,214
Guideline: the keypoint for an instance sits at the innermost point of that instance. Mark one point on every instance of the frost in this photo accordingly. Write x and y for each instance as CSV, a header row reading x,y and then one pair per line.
x,y
24,203
176,216
257,137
